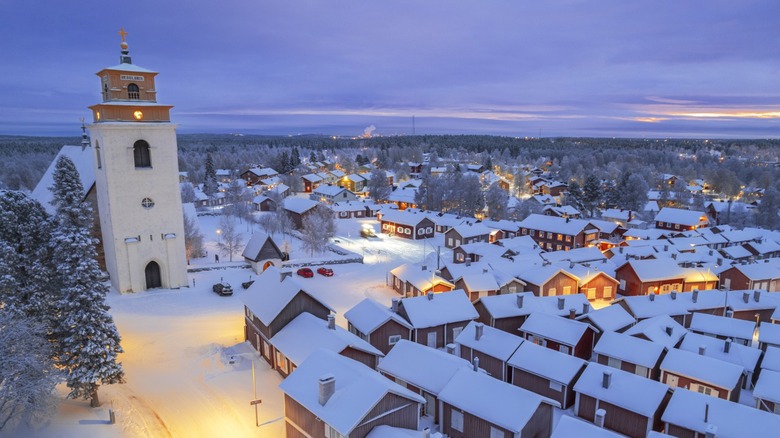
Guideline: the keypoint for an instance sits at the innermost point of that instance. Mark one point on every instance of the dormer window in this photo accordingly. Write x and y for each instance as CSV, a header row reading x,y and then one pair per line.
x,y
133,92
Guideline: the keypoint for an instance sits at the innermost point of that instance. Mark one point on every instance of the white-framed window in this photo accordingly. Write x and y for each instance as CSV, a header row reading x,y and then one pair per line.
x,y
607,292
449,241
281,362
622,285
563,349
460,256
249,314
456,420
393,339
614,363
641,371
555,386
496,433
512,288
550,235
331,432
532,233
537,341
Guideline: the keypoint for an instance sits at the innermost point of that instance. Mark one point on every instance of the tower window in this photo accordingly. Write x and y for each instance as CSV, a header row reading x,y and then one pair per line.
x,y
133,92
105,92
97,155
141,154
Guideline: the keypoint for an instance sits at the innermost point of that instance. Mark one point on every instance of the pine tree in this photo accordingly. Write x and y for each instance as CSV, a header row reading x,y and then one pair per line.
x,y
378,186
210,179
591,194
89,340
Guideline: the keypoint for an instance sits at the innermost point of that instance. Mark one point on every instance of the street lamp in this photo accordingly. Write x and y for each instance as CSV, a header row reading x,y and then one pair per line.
x,y
219,235
255,401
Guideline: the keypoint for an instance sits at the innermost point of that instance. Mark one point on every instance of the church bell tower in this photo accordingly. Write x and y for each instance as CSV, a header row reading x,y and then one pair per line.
x,y
137,180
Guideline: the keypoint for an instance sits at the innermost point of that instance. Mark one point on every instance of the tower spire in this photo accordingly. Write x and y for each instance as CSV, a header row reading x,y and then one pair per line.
x,y
84,139
124,58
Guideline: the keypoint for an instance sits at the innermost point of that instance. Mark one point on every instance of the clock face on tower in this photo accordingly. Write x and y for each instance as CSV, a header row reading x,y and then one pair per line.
x,y
138,115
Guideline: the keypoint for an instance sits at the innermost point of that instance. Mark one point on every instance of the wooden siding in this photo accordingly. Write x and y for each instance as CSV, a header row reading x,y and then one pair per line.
x,y
473,426
407,417
723,393
681,432
302,302
618,419
363,357
635,286
598,283
540,424
297,414
421,335
495,367
379,338
541,386
291,431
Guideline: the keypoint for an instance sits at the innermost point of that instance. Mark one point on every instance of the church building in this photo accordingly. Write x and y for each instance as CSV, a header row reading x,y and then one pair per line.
x,y
136,178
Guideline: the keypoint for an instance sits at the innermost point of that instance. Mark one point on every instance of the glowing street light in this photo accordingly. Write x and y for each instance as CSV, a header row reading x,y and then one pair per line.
x,y
219,235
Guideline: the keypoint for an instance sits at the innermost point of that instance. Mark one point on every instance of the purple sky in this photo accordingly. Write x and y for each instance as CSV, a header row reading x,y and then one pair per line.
x,y
568,68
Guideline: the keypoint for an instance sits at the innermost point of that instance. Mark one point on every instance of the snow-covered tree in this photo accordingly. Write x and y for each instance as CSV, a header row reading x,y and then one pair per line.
x,y
187,193
466,193
496,200
210,185
27,372
766,216
193,238
591,194
231,240
26,268
634,195
88,339
378,186
574,196
318,227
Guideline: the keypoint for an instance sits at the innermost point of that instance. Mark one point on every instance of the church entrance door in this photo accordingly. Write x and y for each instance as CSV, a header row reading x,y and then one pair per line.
x,y
153,278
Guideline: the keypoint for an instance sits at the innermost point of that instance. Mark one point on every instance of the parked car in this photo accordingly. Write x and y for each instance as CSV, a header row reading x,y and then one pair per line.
x,y
325,271
305,273
223,289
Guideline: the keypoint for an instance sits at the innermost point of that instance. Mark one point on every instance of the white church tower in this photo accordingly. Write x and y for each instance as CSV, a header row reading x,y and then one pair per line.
x,y
137,180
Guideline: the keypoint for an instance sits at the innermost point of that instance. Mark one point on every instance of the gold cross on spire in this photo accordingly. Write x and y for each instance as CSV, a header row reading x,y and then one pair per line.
x,y
122,33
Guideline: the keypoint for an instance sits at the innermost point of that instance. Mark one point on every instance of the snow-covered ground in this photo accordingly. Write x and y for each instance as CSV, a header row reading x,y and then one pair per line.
x,y
188,371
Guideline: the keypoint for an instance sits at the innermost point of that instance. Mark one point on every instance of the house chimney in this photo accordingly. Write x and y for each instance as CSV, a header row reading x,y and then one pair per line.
x,y
652,297
756,295
674,294
710,252
746,297
674,256
484,270
585,307
426,432
430,296
599,419
702,350
695,295
572,313
561,302
450,348
424,268
468,261
606,379
478,329
394,307
331,322
520,298
727,345
571,265
327,385
475,363
666,248
669,330
711,431
620,250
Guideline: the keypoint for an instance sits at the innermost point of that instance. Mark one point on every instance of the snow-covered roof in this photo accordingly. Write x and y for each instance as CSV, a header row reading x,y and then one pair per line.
x,y
470,230
682,217
83,161
439,308
768,269
654,329
546,362
615,213
496,402
368,315
702,368
385,431
358,389
768,386
419,278
268,296
493,342
485,249
609,318
771,359
766,300
629,349
721,326
738,354
642,307
539,275
439,366
312,177
562,330
577,255
299,205
306,333
403,195
554,224
769,333
480,281
129,67
686,409
505,305
403,217
657,269
623,389
574,427
255,244
328,190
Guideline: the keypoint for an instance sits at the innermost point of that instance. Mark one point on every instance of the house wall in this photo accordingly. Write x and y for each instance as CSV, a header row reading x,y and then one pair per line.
x,y
295,413
363,357
599,283
495,367
652,373
618,419
681,432
540,424
685,382
584,348
379,338
407,417
558,282
541,386
473,426
302,302
510,325
765,405
421,335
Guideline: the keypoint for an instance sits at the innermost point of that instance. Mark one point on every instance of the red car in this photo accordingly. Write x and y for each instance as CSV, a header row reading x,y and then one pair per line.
x,y
325,271
305,272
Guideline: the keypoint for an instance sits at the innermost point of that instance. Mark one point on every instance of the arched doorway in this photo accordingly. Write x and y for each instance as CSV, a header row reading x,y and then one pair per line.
x,y
267,265
153,277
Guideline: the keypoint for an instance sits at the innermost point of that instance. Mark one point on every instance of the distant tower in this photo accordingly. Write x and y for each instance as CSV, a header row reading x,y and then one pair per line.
x,y
136,177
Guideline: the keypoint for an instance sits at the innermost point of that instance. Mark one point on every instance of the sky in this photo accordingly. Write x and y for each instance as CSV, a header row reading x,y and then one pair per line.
x,y
610,68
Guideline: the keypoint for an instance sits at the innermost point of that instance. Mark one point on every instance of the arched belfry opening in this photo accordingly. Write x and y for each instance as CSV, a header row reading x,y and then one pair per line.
x,y
153,276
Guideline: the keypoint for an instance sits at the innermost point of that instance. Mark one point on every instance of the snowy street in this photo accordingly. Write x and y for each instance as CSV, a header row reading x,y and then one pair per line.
x,y
179,345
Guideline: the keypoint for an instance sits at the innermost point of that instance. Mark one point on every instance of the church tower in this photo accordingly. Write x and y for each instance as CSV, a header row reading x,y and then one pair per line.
x,y
136,177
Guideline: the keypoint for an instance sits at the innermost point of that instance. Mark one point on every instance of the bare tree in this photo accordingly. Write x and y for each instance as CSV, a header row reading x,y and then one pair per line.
x,y
231,240
193,238
318,227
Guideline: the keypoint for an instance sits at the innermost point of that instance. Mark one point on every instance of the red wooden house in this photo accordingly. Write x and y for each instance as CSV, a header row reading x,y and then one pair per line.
x,y
437,318
380,326
547,372
492,346
562,334
699,373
